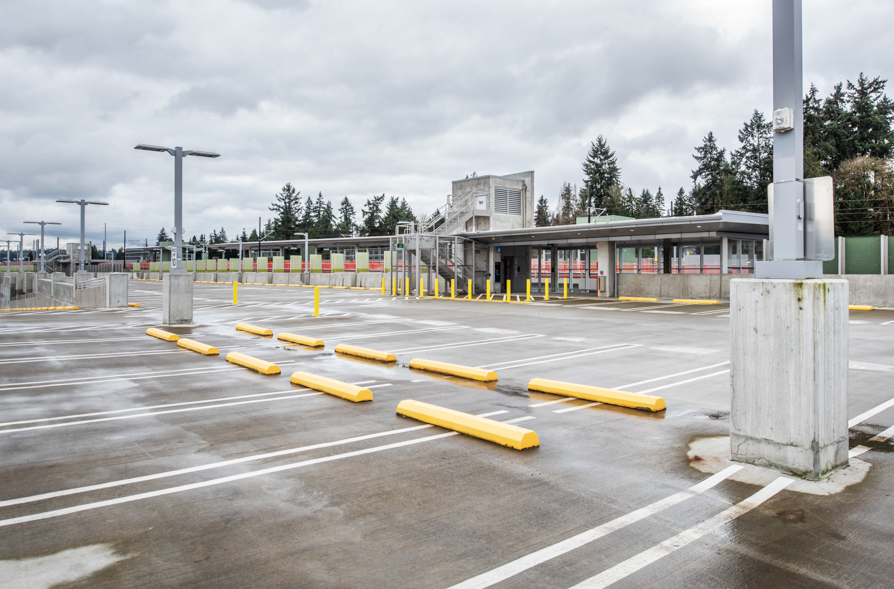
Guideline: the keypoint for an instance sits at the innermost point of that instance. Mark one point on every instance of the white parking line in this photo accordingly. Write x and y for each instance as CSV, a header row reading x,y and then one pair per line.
x,y
114,411
882,437
684,538
218,481
115,378
687,381
872,412
26,343
471,343
89,356
578,354
524,563
576,408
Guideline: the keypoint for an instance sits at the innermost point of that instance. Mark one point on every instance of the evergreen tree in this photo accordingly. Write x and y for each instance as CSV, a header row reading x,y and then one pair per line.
x,y
567,205
601,172
406,213
872,113
346,216
629,204
319,204
681,206
753,161
391,216
326,221
646,205
222,236
213,239
542,216
307,219
162,236
244,236
193,240
253,236
372,216
659,203
712,177
287,207
864,197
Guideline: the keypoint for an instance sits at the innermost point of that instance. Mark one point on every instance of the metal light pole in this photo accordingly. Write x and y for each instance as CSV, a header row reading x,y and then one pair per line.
x,y
83,204
8,253
21,248
306,256
179,153
43,249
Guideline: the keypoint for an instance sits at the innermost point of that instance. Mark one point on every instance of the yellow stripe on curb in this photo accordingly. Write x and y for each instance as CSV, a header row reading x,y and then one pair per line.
x,y
161,334
358,288
332,386
204,349
340,287
253,329
504,434
697,301
860,307
365,353
649,299
300,339
607,396
253,363
479,374
133,304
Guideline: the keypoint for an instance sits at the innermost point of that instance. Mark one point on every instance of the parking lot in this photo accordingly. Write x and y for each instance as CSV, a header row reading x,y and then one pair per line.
x,y
129,461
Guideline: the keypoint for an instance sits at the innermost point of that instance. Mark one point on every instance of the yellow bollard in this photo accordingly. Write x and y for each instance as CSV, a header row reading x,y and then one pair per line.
x,y
528,291
437,287
407,288
488,289
453,288
383,286
566,289
316,301
394,287
235,296
469,291
546,291
421,292
508,291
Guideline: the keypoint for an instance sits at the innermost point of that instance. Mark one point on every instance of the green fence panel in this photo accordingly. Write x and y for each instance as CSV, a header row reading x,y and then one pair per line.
x,y
278,263
863,255
890,255
262,264
294,263
831,266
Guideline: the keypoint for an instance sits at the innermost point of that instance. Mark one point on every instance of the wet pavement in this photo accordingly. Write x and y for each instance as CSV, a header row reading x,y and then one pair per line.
x,y
127,461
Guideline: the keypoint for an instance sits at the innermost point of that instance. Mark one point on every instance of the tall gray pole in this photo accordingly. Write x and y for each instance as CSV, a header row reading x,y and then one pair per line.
x,y
176,264
788,145
43,249
83,242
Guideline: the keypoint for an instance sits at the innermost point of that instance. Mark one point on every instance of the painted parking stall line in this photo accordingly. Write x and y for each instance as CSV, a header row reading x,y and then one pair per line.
x,y
524,563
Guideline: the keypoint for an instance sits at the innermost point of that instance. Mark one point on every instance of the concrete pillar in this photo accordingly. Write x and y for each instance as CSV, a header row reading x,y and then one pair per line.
x,y
884,241
842,257
605,254
176,299
789,365
666,258
724,255
116,289
554,268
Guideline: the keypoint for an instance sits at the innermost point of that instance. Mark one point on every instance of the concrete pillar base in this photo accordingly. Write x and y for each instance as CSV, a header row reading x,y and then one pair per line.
x,y
789,365
177,299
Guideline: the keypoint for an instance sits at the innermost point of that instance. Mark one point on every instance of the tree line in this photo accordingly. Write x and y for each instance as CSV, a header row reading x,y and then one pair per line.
x,y
317,218
847,135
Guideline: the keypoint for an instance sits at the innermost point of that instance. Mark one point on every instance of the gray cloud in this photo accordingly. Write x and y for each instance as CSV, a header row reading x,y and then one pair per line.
x,y
363,98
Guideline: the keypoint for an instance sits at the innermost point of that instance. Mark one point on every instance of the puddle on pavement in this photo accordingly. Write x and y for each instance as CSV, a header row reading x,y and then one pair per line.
x,y
710,455
63,567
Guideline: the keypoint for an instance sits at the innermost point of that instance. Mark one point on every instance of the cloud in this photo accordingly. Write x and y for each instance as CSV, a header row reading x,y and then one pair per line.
x,y
363,98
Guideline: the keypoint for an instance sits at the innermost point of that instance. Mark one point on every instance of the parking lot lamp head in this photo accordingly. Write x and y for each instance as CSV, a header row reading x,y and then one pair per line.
x,y
179,153
83,204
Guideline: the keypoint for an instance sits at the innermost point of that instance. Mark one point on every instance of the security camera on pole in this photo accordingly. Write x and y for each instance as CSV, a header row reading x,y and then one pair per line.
x,y
789,325
177,284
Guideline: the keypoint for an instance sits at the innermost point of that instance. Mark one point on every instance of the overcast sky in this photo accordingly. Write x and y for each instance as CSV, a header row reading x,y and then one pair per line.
x,y
357,98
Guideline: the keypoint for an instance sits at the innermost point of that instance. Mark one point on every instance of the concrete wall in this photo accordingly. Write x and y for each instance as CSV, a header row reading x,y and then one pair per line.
x,y
864,289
